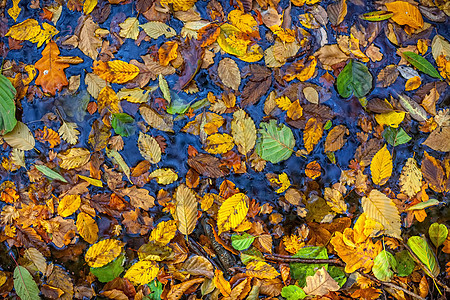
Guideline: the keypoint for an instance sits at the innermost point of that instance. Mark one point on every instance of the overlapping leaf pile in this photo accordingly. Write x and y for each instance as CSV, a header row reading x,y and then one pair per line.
x,y
241,150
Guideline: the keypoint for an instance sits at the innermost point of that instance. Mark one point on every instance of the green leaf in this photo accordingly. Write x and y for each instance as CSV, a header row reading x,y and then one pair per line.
x,y
123,124
50,173
300,271
423,251
242,242
328,125
438,233
156,289
7,105
164,87
275,143
405,264
376,16
251,254
26,288
337,274
421,64
293,292
354,78
396,136
423,205
383,265
109,271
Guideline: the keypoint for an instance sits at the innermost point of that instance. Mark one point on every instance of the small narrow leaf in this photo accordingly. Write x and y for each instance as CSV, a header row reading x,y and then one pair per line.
x,y
421,64
50,173
375,16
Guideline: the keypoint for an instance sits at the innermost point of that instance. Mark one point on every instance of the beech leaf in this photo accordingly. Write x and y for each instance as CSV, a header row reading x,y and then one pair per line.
x,y
355,79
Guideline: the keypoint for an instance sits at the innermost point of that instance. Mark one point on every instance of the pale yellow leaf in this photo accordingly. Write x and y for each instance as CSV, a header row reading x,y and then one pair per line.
x,y
149,148
94,182
186,210
164,176
135,95
320,284
261,270
26,30
410,178
382,209
129,28
156,29
74,158
69,133
335,200
244,131
229,73
94,84
156,120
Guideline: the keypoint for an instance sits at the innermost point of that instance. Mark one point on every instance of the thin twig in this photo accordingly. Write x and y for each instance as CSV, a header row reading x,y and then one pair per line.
x,y
335,262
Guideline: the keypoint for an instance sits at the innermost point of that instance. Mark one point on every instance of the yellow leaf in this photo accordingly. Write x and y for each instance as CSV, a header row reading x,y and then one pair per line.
x,y
45,35
103,252
293,243
422,46
244,131
167,52
286,35
142,272
392,118
149,148
94,182
108,99
129,28
74,158
261,270
26,30
413,83
295,111
87,227
283,102
244,22
164,176
178,5
253,54
303,2
405,14
115,71
381,166
135,95
68,205
355,50
312,133
220,283
219,143
212,125
382,209
335,200
164,232
232,212
186,210
282,180
89,6
14,11
410,178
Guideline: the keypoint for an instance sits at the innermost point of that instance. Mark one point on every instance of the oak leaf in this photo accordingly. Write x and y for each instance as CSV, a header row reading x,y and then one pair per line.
x,y
51,73
48,135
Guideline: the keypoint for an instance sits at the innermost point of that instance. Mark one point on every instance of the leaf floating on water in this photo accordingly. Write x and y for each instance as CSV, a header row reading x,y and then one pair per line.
x,y
149,148
50,173
20,137
275,143
103,252
186,209
232,212
26,288
421,63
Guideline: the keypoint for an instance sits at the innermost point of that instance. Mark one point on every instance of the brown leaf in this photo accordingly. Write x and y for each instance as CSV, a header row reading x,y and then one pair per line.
x,y
149,70
379,106
143,5
177,291
198,265
335,139
229,73
433,173
387,76
439,139
320,284
192,54
207,165
330,55
88,41
365,152
138,197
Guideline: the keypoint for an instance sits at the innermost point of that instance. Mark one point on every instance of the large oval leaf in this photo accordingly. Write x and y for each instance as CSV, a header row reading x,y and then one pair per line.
x,y
186,210
26,288
275,143
20,137
7,106
232,212
421,63
383,266
438,233
354,78
423,252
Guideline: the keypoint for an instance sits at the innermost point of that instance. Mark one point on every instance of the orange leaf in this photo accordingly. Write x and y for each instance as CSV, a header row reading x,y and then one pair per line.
x,y
220,283
51,73
413,83
313,170
208,34
48,135
312,134
167,52
405,14
116,71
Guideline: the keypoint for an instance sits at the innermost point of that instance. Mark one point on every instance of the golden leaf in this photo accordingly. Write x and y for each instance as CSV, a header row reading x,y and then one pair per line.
x,y
87,227
213,123
198,265
335,200
14,11
392,118
292,243
283,102
244,22
186,210
108,99
154,119
177,291
355,255
244,131
220,283
135,95
219,143
312,133
178,5
45,35
103,252
261,270
69,133
26,30
282,180
142,272
295,111
167,52
405,14
129,28
164,176
74,158
381,166
139,198
413,83
94,182
89,5
149,148
164,232
320,284
68,205
410,178
382,209
115,71
232,212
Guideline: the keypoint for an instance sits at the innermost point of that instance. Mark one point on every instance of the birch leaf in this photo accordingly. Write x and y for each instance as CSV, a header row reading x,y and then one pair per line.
x,y
410,178
232,212
382,209
149,148
244,132
186,209
87,227
129,28
381,166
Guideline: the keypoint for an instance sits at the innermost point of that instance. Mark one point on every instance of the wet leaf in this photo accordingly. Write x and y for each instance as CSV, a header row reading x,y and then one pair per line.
x,y
410,178
275,143
20,137
381,166
26,288
242,242
115,71
68,205
74,158
164,176
232,212
383,266
103,252
423,251
396,136
149,148
421,63
87,227
320,284
198,265
261,269
438,234
7,105
335,138
142,272
229,73
405,14
186,209
50,173
355,79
